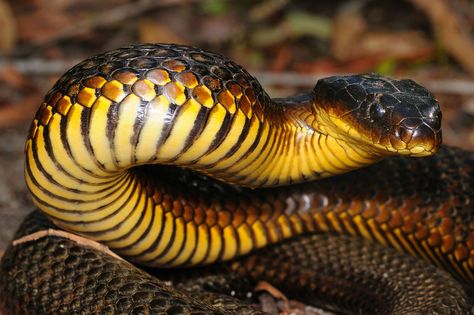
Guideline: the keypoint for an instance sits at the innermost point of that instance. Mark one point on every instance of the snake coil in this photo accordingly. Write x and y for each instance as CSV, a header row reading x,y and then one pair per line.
x,y
93,140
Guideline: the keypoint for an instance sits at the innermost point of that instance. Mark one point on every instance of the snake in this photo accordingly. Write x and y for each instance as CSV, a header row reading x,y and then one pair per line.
x,y
177,160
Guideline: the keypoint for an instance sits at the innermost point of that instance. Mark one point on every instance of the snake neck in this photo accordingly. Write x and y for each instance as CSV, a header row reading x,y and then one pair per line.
x,y
302,144
280,142
289,142
283,141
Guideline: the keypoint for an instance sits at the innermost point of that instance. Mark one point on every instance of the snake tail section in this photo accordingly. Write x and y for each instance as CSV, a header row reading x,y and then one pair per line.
x,y
341,273
77,279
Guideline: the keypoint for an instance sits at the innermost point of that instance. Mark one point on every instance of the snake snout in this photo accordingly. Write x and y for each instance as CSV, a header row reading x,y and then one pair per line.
x,y
416,119
419,136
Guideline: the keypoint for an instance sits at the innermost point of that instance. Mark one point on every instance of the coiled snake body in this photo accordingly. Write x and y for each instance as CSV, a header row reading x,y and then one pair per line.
x,y
106,120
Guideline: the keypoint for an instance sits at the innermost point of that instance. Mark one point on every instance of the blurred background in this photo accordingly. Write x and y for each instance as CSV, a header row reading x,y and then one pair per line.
x,y
286,44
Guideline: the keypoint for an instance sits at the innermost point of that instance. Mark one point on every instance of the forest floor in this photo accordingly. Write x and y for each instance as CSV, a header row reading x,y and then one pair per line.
x,y
287,45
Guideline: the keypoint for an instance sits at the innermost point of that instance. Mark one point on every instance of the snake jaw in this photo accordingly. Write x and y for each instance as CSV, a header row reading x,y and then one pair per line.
x,y
418,137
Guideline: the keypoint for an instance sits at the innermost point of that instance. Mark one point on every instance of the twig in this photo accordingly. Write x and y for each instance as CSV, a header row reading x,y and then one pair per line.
x,y
451,86
37,66
292,79
63,234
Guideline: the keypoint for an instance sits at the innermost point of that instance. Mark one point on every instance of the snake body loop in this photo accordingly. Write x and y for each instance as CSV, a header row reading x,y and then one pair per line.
x,y
182,106
92,143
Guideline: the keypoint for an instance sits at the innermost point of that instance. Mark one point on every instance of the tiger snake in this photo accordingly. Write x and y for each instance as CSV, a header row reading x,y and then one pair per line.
x,y
118,151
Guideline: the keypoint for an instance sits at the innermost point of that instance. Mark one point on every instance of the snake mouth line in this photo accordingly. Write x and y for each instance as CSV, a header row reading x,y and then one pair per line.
x,y
411,136
418,137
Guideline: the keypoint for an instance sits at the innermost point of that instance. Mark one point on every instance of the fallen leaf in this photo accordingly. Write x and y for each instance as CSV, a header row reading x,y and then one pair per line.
x,y
265,286
282,59
352,39
152,31
70,236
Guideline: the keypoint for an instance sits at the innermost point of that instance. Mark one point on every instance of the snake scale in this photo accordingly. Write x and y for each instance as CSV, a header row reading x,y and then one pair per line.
x,y
157,152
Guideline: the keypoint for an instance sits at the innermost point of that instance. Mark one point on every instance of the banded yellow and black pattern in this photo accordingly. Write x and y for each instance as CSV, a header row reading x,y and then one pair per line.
x,y
175,105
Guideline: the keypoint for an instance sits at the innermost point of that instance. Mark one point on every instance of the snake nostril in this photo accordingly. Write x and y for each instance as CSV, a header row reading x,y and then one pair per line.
x,y
377,111
415,131
423,134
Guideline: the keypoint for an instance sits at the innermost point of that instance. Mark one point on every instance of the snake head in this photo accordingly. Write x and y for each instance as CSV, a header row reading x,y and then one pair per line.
x,y
388,115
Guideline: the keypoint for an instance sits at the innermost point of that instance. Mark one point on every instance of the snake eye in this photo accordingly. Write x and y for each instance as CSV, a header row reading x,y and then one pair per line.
x,y
376,111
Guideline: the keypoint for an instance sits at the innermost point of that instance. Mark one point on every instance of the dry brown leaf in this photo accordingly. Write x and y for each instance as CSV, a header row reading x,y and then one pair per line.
x,y
397,45
265,9
13,78
347,28
267,287
220,28
41,23
12,114
73,237
352,39
49,23
152,31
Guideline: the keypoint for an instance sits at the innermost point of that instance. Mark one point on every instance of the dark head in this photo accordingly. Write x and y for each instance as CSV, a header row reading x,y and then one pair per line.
x,y
397,116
